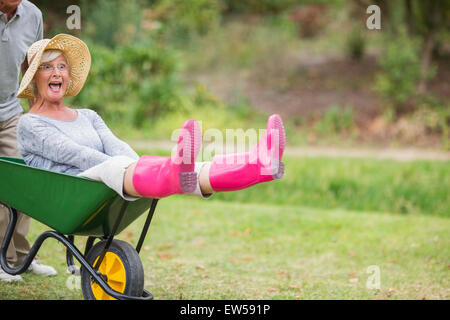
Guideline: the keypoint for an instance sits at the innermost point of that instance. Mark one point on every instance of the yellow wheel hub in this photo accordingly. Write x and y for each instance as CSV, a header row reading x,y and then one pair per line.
x,y
111,267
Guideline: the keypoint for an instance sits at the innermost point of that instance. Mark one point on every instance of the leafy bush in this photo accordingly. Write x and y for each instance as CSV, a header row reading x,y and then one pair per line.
x,y
355,44
134,81
112,22
435,120
335,120
239,45
258,6
183,20
310,19
400,73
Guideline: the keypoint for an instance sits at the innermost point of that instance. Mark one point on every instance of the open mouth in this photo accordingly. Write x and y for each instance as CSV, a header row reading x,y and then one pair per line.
x,y
55,86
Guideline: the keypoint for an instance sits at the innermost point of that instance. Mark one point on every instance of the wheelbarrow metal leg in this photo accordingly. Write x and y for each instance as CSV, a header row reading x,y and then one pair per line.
x,y
112,234
69,256
146,225
69,259
89,243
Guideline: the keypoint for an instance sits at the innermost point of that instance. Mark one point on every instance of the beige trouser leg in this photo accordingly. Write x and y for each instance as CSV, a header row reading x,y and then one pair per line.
x,y
19,245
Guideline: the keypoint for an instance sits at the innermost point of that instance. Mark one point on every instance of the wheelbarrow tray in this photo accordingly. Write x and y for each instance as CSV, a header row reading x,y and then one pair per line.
x,y
69,204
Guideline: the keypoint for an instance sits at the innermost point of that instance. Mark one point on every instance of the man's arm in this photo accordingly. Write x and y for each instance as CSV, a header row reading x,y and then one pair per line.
x,y
39,36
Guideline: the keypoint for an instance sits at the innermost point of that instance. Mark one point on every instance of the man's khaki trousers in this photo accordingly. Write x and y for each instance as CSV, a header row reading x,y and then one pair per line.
x,y
19,245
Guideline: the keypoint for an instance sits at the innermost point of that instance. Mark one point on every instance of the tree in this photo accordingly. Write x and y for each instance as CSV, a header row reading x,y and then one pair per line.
x,y
423,19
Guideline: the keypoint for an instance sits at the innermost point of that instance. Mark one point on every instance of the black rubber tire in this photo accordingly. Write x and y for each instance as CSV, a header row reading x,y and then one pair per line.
x,y
132,263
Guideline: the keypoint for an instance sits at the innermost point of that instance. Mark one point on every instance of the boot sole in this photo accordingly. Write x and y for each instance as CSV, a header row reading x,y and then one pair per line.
x,y
188,181
277,167
275,123
191,140
187,177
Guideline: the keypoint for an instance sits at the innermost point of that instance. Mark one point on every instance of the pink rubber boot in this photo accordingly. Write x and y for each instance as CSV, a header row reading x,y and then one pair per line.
x,y
158,177
230,172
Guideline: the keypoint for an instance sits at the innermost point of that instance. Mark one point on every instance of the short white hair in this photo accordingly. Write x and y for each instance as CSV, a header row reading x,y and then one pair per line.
x,y
51,54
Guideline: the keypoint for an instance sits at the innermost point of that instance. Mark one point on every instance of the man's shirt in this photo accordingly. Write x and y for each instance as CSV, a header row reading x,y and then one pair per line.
x,y
16,36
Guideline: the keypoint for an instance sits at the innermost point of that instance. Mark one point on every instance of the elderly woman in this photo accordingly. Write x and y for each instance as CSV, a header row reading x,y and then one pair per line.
x,y
55,137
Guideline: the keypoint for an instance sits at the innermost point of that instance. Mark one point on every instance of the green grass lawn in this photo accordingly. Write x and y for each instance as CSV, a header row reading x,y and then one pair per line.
x,y
230,247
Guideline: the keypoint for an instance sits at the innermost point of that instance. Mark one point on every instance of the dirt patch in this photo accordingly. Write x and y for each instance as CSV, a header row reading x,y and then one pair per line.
x,y
315,85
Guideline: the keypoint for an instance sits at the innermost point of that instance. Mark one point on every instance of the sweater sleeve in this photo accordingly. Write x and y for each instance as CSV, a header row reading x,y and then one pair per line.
x,y
112,145
37,137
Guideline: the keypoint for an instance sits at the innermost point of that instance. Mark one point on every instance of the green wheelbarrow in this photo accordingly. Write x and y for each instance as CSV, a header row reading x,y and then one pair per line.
x,y
75,206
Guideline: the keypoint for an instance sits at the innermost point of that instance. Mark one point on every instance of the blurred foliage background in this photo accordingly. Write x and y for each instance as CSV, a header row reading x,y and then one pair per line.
x,y
230,63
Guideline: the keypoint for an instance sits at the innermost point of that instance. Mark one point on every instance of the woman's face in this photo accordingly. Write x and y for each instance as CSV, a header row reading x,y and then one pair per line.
x,y
52,79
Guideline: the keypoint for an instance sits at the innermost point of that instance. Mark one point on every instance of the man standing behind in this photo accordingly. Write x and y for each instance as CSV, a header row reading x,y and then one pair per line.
x,y
20,26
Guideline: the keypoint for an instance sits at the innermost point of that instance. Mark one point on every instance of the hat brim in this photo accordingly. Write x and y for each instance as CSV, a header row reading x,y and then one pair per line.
x,y
79,59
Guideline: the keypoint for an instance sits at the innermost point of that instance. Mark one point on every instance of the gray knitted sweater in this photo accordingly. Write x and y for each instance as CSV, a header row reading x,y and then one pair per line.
x,y
68,146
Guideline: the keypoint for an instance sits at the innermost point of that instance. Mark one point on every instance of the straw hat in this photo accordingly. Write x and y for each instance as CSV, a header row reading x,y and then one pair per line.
x,y
78,57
